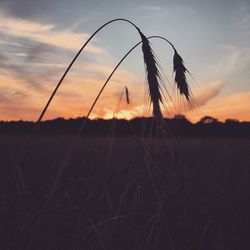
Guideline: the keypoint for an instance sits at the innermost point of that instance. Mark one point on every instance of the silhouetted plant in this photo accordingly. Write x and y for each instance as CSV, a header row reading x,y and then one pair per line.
x,y
127,95
153,79
180,75
151,67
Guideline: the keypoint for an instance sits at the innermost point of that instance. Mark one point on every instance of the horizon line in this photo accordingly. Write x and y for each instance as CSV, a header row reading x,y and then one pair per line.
x,y
122,119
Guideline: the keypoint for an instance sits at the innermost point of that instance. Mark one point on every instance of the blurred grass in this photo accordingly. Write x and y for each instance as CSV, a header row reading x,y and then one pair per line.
x,y
106,200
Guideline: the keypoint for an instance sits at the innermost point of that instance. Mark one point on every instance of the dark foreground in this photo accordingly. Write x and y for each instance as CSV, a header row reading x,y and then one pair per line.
x,y
190,194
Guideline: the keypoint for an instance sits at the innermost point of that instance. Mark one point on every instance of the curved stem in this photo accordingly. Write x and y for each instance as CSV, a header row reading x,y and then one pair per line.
x,y
68,153
114,70
37,123
71,64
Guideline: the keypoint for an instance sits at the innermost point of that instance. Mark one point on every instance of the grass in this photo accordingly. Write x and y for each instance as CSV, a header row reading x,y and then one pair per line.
x,y
155,93
152,68
100,204
108,193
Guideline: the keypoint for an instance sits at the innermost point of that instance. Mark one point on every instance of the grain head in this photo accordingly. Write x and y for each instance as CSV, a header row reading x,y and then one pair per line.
x,y
152,76
180,75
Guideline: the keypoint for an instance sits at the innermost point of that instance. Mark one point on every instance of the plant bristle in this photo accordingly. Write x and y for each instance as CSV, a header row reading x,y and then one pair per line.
x,y
180,75
152,76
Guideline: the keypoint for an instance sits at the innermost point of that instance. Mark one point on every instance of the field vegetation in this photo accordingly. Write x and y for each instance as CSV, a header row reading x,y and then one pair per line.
x,y
81,191
182,194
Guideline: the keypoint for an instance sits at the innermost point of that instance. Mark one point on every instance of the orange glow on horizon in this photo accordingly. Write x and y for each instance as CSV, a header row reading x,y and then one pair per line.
x,y
29,73
22,102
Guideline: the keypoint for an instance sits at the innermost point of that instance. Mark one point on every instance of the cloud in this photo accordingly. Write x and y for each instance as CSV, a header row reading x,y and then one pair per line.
x,y
151,8
19,101
31,63
24,8
16,101
76,95
200,98
38,53
243,19
26,73
44,33
234,106
232,61
207,101
206,93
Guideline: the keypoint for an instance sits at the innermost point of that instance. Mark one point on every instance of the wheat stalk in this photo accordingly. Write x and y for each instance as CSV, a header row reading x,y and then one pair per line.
x,y
37,123
153,85
73,61
152,76
180,75
127,95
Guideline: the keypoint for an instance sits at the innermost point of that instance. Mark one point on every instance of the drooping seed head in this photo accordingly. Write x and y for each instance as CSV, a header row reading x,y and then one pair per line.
x,y
180,75
152,76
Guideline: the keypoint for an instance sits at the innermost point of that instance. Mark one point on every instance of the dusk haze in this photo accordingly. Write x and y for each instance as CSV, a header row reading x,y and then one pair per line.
x,y
38,39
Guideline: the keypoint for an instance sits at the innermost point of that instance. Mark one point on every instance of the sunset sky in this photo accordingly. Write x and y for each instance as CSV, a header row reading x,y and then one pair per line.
x,y
38,39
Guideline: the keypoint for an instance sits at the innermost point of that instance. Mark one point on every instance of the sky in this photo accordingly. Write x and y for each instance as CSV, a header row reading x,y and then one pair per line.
x,y
38,39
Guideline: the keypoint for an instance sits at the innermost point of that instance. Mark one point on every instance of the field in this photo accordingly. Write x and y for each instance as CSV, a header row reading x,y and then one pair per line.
x,y
181,194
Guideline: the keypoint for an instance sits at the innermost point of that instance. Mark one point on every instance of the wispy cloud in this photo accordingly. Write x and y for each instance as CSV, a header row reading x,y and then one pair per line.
x,y
234,106
244,21
44,33
151,8
231,61
243,18
206,93
19,101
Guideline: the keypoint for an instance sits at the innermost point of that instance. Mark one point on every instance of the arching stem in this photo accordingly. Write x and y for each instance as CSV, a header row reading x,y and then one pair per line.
x,y
67,156
116,67
37,123
71,64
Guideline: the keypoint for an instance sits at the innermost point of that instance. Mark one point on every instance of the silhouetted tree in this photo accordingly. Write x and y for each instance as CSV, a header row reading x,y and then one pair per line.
x,y
208,120
230,121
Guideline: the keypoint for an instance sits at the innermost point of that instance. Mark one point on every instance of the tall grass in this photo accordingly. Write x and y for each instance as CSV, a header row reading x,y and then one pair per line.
x,y
206,198
153,85
129,211
153,77
151,68
180,75
154,91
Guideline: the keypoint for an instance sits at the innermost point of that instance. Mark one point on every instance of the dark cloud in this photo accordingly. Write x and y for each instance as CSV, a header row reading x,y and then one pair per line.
x,y
25,8
38,52
51,9
67,12
31,61
27,72
35,63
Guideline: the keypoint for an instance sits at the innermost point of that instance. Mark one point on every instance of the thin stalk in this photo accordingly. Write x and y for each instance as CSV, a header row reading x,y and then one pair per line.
x,y
72,62
68,153
93,104
37,123
67,156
